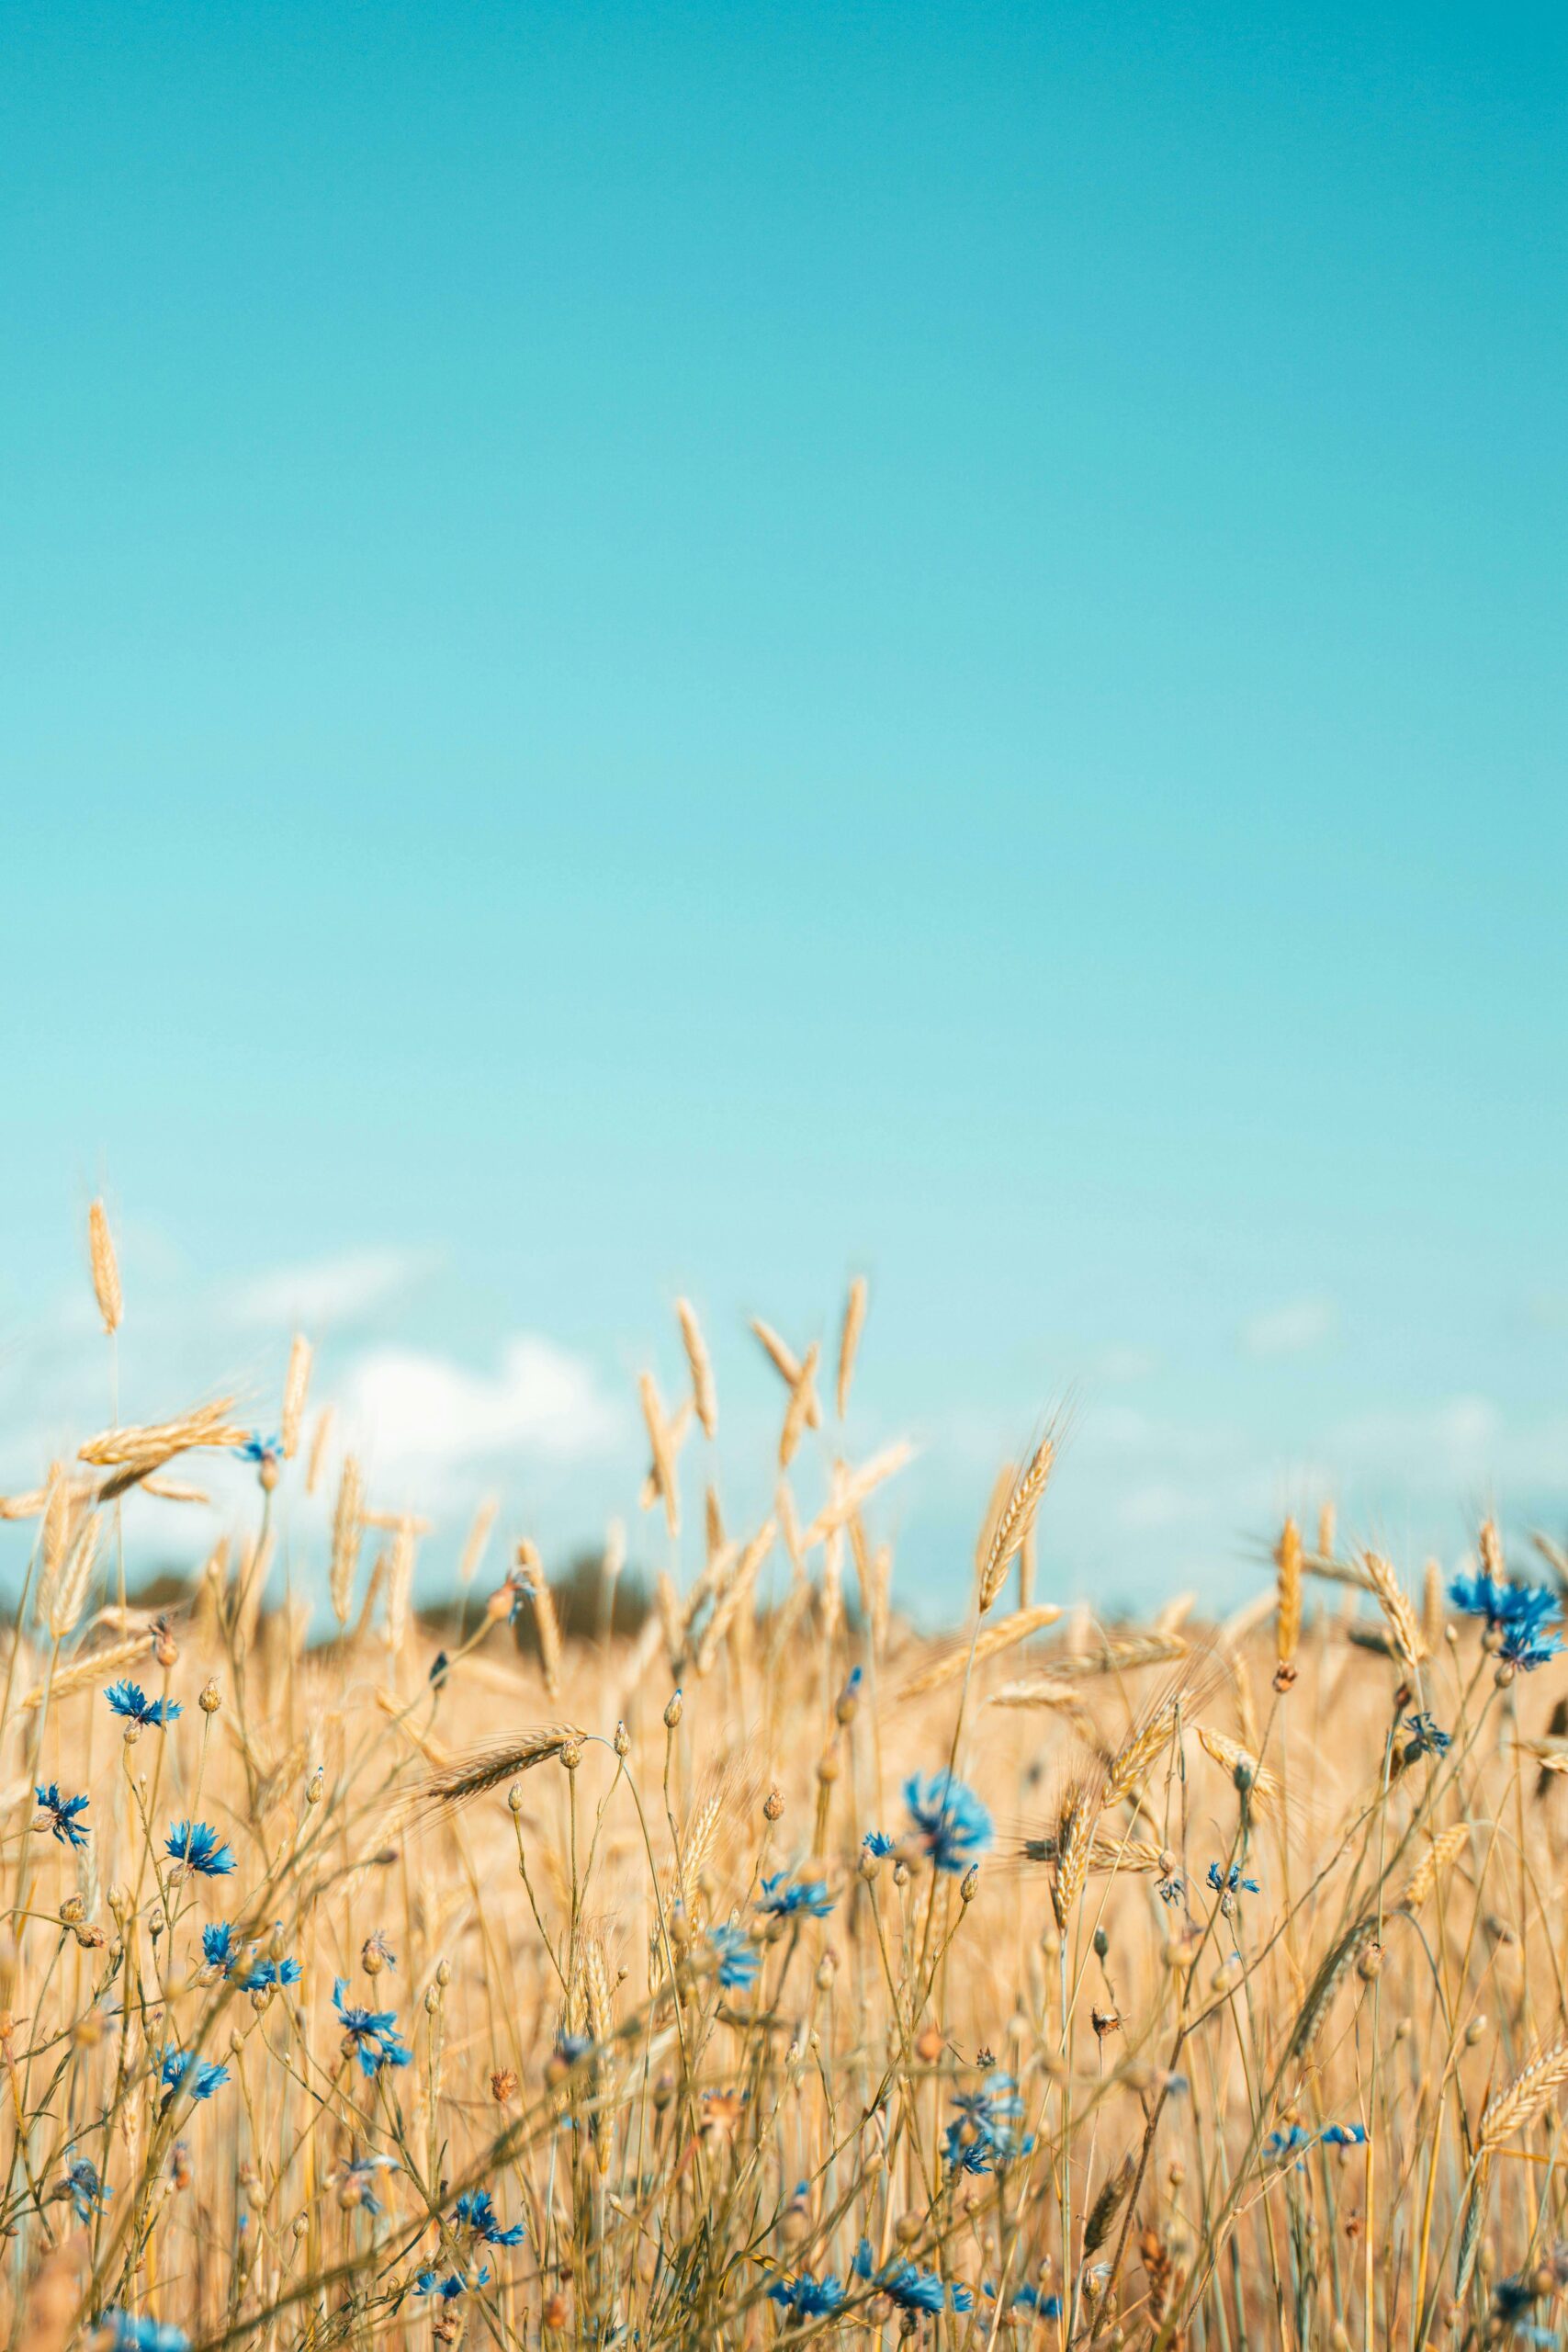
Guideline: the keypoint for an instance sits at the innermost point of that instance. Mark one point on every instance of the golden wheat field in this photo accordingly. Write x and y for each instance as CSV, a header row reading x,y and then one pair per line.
x,y
745,1970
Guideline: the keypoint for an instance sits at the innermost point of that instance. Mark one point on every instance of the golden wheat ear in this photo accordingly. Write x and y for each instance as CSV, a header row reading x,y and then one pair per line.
x,y
486,1766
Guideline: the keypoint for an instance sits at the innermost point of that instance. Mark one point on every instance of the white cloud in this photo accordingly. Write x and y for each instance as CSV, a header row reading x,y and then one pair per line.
x,y
404,1407
331,1291
1291,1330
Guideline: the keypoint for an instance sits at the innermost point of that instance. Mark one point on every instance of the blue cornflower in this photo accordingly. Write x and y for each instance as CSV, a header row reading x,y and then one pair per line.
x,y
951,1823
221,1951
87,2193
1521,1613
1027,2298
1526,1651
783,1897
570,2046
1232,1880
904,2283
431,2282
1282,2145
438,1666
62,1811
130,1698
260,1449
1172,1889
1345,2135
357,2179
475,2212
183,2071
806,2298
1426,1740
983,2134
130,2334
199,1849
877,1841
372,2032
738,1960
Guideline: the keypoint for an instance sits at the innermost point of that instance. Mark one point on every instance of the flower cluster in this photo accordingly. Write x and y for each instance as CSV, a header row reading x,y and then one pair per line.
x,y
1522,1615
904,2283
1231,1882
984,2134
806,2298
221,1950
476,2213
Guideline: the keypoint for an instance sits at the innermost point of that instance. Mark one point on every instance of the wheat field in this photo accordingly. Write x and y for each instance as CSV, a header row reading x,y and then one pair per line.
x,y
750,1968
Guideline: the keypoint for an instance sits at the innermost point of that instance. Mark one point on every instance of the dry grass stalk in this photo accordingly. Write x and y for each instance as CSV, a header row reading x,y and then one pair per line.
x,y
672,1622
705,1396
296,1388
1331,1974
348,1530
1013,1522
850,1338
105,1267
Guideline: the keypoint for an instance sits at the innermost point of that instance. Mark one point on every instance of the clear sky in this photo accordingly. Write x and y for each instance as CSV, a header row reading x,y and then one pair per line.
x,y
691,648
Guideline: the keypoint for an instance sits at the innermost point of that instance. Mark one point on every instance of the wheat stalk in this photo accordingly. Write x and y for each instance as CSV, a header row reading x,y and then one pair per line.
x,y
473,1544
348,1528
1395,1605
1288,1622
1241,1764
1014,1520
705,1396
1074,1843
802,1407
105,1267
663,1451
1518,2106
1004,1634
82,1673
296,1388
319,1442
1445,1848
849,1339
69,1592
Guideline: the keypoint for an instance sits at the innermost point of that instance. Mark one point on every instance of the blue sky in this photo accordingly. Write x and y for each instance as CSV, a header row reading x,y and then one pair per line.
x,y
677,648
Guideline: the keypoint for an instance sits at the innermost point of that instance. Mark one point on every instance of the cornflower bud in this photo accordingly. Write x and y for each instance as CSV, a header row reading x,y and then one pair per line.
x,y
773,1805
73,1911
672,1712
622,1741
316,1786
210,1698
